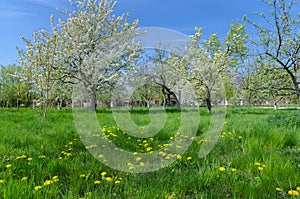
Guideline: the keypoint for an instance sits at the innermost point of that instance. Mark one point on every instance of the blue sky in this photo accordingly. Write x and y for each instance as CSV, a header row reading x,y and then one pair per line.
x,y
214,16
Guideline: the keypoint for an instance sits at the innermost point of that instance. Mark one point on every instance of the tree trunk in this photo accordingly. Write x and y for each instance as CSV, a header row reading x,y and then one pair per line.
x,y
93,98
208,100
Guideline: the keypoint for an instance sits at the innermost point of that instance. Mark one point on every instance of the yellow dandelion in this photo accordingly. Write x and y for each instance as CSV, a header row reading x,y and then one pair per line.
x,y
222,169
142,164
189,158
179,157
103,173
55,178
225,122
257,163
298,188
168,197
8,166
138,158
42,156
149,149
29,159
151,139
108,179
233,169
47,182
70,143
37,187
240,137
117,182
278,189
135,153
97,182
2,181
82,175
24,179
293,192
23,156
100,156
260,168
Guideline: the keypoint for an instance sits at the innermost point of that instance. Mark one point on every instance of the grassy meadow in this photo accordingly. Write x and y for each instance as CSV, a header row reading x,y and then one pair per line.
x,y
256,156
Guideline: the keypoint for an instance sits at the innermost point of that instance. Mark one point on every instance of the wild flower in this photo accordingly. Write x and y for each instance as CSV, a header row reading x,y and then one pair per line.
x,y
293,192
233,169
222,169
8,166
42,156
37,187
48,182
108,179
24,178
97,182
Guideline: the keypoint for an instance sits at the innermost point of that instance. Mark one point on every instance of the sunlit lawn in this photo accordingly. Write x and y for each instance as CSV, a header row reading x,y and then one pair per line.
x,y
257,156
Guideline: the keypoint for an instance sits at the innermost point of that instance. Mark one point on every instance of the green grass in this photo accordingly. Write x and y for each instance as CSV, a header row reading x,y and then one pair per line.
x,y
262,147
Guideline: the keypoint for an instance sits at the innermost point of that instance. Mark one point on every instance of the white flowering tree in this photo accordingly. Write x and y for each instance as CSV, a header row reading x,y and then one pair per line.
x,y
209,64
96,46
38,61
90,47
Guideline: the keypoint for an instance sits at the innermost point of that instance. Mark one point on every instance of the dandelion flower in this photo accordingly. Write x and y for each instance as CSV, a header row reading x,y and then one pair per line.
x,y
2,181
117,182
257,163
168,196
179,157
97,182
293,192
260,168
24,179
37,187
233,169
42,156
189,158
29,159
47,182
100,156
298,188
103,173
149,149
82,175
222,168
55,178
138,158
142,164
278,189
108,179
8,166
